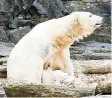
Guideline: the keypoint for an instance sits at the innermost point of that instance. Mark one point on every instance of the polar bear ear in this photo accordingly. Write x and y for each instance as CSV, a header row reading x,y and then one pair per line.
x,y
76,20
76,16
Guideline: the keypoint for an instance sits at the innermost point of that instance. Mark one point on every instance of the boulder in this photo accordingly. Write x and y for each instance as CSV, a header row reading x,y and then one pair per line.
x,y
55,8
5,6
26,90
16,34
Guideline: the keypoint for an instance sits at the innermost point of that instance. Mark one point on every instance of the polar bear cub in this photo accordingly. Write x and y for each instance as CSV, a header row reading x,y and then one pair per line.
x,y
47,45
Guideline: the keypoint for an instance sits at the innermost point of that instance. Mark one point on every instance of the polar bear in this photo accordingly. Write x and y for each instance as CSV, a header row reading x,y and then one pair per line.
x,y
47,46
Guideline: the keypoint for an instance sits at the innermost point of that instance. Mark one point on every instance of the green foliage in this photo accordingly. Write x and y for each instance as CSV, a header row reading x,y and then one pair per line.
x,y
79,3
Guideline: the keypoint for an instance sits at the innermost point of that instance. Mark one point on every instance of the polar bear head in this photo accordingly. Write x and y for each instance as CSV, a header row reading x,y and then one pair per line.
x,y
88,21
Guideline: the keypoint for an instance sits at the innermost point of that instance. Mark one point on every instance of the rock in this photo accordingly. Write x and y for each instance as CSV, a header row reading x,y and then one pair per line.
x,y
99,96
5,49
5,12
3,67
96,1
26,90
39,91
91,51
16,23
40,8
16,34
103,88
4,6
3,36
93,66
2,92
3,71
55,8
4,18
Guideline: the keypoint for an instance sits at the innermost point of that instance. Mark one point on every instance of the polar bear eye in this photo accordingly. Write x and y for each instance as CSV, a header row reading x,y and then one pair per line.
x,y
90,15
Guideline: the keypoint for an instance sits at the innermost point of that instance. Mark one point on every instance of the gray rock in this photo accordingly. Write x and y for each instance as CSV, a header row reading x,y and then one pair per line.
x,y
55,8
2,92
40,8
4,6
5,49
3,36
16,23
4,18
26,90
16,34
91,51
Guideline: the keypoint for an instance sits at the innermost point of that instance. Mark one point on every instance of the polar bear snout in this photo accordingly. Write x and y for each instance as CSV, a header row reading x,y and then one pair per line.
x,y
100,21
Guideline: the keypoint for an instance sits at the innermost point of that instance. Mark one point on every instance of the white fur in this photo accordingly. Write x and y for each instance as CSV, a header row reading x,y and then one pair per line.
x,y
26,60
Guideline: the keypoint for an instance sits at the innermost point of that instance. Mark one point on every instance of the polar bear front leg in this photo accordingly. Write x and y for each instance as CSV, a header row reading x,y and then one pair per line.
x,y
59,60
50,57
67,61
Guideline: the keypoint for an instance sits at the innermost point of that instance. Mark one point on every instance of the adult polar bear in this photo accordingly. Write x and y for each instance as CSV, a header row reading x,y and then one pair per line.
x,y
47,45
